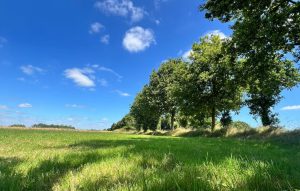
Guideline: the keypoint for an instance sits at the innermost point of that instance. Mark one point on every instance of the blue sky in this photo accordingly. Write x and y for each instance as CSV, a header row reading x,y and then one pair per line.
x,y
81,62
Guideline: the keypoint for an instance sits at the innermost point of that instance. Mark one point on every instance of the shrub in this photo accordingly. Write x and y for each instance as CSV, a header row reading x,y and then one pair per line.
x,y
17,125
52,126
226,119
128,122
240,125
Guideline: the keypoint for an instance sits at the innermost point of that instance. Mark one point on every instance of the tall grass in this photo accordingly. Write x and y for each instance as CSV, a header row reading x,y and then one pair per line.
x,y
70,160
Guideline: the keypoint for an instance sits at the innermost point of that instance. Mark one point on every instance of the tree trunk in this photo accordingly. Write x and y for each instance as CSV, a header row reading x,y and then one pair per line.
x,y
172,120
213,118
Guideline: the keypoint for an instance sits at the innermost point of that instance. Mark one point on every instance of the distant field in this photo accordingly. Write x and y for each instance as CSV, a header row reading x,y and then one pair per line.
x,y
70,160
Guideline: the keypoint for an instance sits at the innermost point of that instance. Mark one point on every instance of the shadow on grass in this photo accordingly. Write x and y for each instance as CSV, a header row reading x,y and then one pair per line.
x,y
9,178
169,152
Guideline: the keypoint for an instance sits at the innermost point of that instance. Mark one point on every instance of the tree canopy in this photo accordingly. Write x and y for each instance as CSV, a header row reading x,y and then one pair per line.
x,y
264,26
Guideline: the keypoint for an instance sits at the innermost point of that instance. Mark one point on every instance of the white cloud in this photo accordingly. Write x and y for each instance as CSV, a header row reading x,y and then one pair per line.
x,y
216,32
25,105
124,8
138,39
96,28
81,77
30,70
157,21
292,107
105,39
2,41
105,69
123,94
3,107
186,55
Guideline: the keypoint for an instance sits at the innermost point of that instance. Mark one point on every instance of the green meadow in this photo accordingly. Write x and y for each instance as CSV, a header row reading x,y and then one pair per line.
x,y
73,160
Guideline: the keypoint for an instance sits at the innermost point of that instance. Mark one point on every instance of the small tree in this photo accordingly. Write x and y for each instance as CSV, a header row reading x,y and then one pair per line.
x,y
226,119
163,84
213,86
145,111
266,80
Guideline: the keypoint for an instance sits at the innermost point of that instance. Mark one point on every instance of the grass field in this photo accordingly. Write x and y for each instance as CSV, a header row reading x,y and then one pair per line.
x,y
70,160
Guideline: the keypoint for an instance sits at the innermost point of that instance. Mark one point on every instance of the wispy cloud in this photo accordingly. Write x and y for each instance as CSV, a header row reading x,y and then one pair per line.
x,y
3,107
31,70
138,39
157,3
121,93
25,105
3,41
105,39
123,8
109,70
96,28
103,82
80,77
291,107
74,106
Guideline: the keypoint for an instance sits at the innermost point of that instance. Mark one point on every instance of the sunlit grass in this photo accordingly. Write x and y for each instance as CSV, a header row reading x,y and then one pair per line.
x,y
69,160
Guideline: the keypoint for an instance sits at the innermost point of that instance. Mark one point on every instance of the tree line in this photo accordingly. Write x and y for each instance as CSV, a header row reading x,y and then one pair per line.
x,y
251,68
42,125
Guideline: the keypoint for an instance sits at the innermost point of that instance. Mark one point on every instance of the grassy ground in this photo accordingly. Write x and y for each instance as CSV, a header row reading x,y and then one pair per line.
x,y
70,160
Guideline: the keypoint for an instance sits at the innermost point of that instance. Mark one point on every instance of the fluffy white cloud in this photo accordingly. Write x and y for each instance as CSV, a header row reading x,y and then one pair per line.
x,y
81,77
105,39
216,32
96,28
292,107
3,107
2,41
123,94
30,70
138,39
25,105
124,8
89,76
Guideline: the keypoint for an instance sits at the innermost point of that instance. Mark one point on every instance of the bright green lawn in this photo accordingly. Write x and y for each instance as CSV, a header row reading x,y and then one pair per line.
x,y
69,160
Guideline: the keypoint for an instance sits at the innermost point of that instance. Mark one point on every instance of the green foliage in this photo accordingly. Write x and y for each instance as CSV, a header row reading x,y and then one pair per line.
x,y
144,110
183,121
127,122
42,125
165,122
263,26
226,119
163,84
211,84
265,34
224,74
267,78
240,125
17,125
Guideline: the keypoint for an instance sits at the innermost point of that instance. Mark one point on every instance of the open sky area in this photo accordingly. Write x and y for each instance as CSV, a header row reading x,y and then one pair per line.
x,y
81,62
